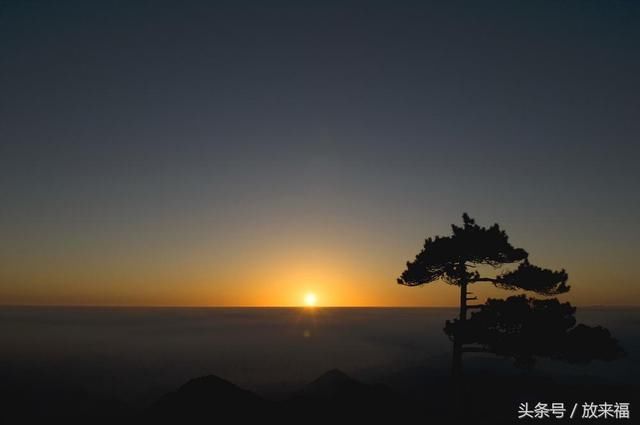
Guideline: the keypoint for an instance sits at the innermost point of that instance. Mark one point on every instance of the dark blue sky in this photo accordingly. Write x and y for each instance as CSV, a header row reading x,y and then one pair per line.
x,y
155,140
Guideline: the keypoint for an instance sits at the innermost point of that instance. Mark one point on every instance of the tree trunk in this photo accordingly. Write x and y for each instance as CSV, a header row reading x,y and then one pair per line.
x,y
457,343
456,367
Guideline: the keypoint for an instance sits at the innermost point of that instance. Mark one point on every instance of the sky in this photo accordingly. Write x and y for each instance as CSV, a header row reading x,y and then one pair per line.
x,y
247,153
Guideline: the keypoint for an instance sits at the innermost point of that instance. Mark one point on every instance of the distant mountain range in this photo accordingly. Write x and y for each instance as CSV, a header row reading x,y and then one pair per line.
x,y
334,397
333,393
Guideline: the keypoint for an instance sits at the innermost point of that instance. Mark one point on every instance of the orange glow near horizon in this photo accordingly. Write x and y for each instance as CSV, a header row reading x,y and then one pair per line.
x,y
280,294
282,276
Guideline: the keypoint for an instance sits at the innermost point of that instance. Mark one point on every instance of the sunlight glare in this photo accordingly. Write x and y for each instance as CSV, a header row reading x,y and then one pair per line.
x,y
310,299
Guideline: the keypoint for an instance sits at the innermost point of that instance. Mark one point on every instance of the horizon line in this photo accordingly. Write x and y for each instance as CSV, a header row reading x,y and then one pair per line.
x,y
306,307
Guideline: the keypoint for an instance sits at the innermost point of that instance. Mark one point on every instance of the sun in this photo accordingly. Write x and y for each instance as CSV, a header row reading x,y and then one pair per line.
x,y
310,299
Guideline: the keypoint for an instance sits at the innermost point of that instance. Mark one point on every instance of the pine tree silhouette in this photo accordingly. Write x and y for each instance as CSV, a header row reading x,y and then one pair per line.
x,y
456,259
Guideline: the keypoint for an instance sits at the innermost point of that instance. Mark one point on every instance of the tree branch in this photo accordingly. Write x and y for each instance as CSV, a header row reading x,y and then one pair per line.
x,y
483,279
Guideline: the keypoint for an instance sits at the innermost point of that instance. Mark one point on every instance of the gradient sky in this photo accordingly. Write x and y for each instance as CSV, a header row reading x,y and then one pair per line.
x,y
246,152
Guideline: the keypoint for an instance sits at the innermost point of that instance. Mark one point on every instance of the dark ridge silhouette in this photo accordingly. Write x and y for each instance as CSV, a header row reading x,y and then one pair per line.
x,y
334,397
337,387
331,384
209,397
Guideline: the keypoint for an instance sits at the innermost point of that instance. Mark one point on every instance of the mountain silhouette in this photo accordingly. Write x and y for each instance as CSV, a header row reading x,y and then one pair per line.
x,y
332,396
335,396
209,397
335,385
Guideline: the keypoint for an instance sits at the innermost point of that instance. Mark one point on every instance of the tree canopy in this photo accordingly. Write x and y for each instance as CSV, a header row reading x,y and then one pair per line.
x,y
454,259
524,328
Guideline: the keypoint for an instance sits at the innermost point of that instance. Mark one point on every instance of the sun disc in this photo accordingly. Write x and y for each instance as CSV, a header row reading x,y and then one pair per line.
x,y
310,299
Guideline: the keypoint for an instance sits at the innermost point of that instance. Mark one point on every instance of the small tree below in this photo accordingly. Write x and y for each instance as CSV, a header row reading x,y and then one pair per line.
x,y
525,328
